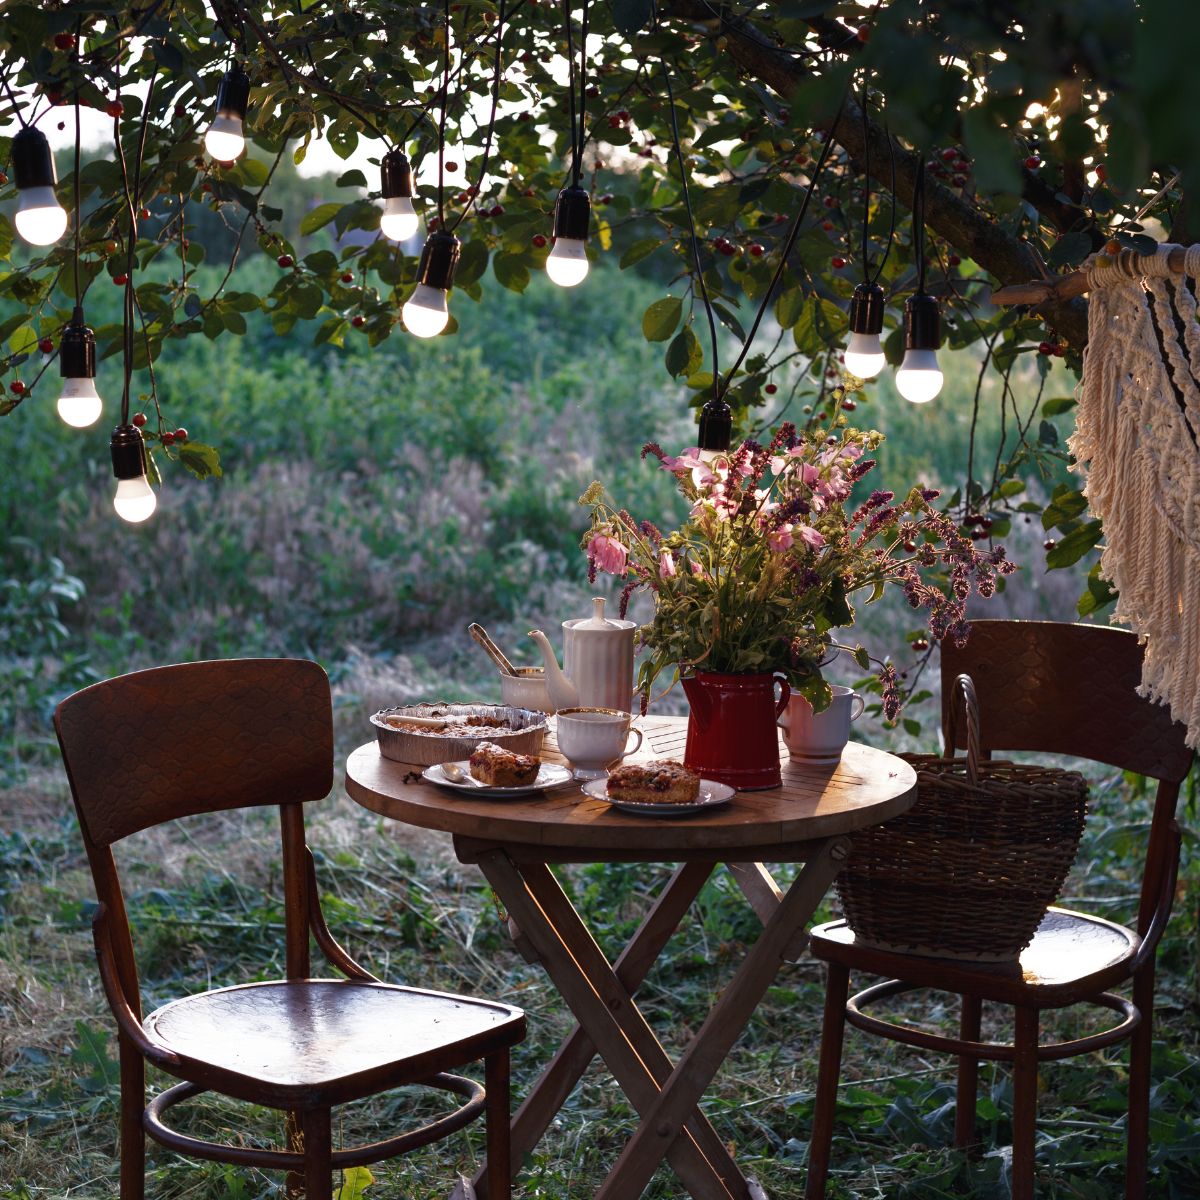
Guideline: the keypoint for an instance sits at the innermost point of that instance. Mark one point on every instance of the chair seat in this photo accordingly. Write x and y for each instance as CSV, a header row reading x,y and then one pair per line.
x,y
324,1041
1072,955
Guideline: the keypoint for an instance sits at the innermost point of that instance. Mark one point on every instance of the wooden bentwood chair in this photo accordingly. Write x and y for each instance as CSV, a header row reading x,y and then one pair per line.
x,y
1052,688
202,737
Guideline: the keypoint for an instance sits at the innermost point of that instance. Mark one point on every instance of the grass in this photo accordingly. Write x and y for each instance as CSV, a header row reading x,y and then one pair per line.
x,y
203,901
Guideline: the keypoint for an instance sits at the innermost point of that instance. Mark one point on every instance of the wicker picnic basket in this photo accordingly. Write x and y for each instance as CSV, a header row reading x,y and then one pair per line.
x,y
969,871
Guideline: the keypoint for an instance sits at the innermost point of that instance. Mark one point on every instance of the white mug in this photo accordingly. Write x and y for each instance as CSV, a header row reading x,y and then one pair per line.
x,y
820,737
592,739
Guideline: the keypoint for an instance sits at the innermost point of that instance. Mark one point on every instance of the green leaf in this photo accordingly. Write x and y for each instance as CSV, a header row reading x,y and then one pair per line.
x,y
472,262
1058,404
639,250
202,460
315,218
684,354
1047,434
355,1181
1075,545
630,15
1100,594
789,306
994,152
24,339
352,178
511,271
1070,250
1065,505
660,319
862,657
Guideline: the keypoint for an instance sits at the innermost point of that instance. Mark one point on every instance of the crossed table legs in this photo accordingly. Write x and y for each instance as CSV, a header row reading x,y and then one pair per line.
x,y
664,1094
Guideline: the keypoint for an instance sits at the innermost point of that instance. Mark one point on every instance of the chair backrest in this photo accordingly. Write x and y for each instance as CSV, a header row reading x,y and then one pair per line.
x,y
200,737
1057,688
194,738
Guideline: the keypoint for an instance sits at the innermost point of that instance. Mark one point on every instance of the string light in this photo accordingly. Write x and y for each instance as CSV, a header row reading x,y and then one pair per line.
x,y
919,378
567,262
399,220
226,138
39,218
426,312
134,500
79,403
864,351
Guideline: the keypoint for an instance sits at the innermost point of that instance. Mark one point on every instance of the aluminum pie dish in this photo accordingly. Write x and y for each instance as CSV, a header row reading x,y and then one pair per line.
x,y
430,747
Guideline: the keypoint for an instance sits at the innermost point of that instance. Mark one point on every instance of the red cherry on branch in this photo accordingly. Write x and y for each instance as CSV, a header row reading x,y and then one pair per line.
x,y
18,388
181,434
539,240
837,262
285,260
771,389
1032,162
358,321
139,419
114,108
120,280
168,438
46,345
756,249
64,41
347,277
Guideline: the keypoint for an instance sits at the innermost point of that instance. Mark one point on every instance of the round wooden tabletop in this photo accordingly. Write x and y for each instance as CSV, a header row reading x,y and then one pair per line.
x,y
865,787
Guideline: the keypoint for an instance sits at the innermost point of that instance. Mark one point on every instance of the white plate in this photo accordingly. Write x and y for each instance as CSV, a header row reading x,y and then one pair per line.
x,y
550,775
711,795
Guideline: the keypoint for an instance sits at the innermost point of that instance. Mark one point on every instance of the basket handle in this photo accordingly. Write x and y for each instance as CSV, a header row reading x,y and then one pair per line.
x,y
964,697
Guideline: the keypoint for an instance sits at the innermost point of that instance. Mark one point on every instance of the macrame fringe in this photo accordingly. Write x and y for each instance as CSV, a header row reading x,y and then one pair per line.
x,y
1137,442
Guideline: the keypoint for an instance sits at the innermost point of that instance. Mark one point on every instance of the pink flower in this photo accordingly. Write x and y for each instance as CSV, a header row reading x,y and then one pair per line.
x,y
666,566
781,539
809,536
608,554
809,474
698,570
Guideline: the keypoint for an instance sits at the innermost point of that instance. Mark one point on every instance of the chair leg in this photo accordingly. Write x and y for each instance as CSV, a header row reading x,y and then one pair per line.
x,y
133,1133
833,1028
1025,1081
1138,1125
318,1149
496,1118
969,1025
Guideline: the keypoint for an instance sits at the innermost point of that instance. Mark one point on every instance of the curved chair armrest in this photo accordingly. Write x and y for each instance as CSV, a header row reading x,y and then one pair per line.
x,y
1166,897
129,1025
335,954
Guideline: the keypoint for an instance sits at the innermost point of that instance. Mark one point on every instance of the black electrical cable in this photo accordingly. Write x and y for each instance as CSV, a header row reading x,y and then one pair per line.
x,y
892,229
575,146
918,220
580,138
442,117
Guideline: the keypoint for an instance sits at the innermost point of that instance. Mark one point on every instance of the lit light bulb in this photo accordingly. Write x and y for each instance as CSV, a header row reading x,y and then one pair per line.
x,y
426,312
399,220
79,403
135,499
226,136
567,263
716,429
864,354
919,378
225,139
39,218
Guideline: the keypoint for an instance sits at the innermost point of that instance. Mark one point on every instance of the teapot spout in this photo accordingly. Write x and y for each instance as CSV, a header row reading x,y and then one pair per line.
x,y
563,693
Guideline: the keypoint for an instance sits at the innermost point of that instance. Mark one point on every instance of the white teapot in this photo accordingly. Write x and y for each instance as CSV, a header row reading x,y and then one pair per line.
x,y
597,669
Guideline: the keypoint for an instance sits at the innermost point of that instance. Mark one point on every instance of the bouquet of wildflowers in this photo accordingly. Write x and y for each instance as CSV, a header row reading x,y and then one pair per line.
x,y
763,569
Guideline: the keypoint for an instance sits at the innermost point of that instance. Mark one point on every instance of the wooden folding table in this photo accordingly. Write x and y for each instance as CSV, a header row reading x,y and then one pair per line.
x,y
514,843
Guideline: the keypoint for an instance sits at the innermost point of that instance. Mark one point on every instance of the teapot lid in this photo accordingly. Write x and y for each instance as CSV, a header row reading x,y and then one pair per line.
x,y
598,620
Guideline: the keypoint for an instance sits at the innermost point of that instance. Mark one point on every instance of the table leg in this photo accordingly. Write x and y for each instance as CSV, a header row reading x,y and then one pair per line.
x,y
606,1011
562,1073
679,1094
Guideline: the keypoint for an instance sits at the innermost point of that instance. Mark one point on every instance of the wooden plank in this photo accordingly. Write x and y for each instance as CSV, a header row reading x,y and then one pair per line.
x,y
609,1018
703,1058
549,1093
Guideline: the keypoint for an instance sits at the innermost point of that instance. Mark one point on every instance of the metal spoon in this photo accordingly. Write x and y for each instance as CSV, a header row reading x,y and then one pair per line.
x,y
494,652
456,774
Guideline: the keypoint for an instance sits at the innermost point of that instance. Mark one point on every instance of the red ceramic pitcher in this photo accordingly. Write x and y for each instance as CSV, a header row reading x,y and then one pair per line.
x,y
732,736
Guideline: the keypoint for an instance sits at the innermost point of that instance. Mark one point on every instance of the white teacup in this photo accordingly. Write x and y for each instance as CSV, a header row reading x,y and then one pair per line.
x,y
592,739
820,737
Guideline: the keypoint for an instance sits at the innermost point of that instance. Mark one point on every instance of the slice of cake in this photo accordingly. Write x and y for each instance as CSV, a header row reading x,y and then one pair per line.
x,y
662,782
497,767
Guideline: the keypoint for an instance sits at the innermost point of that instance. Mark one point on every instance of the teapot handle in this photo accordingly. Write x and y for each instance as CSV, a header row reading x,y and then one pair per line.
x,y
785,693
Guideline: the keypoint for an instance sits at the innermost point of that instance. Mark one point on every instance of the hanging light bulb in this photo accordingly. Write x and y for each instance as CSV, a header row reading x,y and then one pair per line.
x,y
39,218
399,221
135,500
426,312
716,428
79,402
226,139
567,263
864,353
919,378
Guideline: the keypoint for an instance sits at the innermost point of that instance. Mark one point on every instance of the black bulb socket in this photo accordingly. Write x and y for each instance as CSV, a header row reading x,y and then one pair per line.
x,y
716,426
572,213
77,350
233,93
32,162
866,309
128,452
922,322
438,260
396,175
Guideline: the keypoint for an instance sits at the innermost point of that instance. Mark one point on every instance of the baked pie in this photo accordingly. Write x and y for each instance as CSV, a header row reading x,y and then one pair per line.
x,y
497,767
662,782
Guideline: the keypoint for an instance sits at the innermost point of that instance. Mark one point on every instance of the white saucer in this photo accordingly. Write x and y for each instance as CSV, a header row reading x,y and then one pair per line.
x,y
711,795
550,775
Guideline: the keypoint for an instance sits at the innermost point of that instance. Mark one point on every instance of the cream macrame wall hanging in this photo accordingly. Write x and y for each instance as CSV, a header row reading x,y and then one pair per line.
x,y
1136,443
